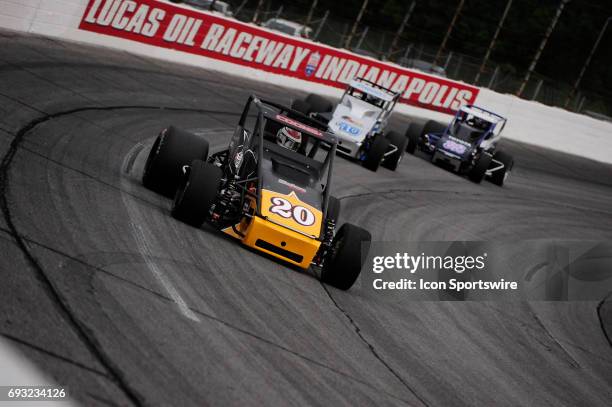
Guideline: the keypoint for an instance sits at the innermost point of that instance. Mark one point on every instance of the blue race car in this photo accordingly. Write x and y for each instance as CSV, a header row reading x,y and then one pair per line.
x,y
468,145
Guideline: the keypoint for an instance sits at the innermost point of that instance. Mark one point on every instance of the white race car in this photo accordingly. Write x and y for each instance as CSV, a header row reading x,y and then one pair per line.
x,y
359,122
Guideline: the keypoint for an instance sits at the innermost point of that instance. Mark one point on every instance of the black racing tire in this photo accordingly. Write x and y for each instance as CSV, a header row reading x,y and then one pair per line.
x,y
478,171
301,106
196,193
377,151
432,126
350,247
318,103
172,149
333,209
392,161
499,177
413,134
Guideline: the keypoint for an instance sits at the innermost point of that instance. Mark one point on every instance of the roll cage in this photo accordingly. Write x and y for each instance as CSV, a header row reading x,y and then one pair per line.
x,y
368,87
496,124
248,145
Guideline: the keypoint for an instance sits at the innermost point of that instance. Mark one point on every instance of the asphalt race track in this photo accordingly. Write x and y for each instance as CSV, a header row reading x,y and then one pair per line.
x,y
110,296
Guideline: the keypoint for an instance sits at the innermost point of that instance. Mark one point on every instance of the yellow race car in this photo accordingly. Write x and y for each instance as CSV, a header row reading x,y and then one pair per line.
x,y
270,189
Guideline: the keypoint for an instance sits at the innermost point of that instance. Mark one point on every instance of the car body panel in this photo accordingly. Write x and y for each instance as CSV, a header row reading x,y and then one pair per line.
x,y
457,146
280,242
354,119
353,123
273,234
291,212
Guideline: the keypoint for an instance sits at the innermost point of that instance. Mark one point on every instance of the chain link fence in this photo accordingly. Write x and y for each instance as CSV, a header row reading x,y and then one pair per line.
x,y
408,52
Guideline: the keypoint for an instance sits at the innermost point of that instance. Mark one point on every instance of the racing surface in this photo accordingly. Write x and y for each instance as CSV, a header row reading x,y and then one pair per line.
x,y
110,296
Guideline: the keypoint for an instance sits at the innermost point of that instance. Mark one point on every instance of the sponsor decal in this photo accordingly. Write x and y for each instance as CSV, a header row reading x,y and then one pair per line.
x,y
205,34
347,128
451,145
291,185
458,140
298,213
289,210
313,63
238,159
295,123
371,90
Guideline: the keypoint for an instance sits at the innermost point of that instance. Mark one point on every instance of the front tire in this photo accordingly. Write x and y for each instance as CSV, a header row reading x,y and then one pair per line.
x,y
172,149
196,193
318,103
343,267
377,151
413,134
301,106
432,126
499,177
478,171
392,161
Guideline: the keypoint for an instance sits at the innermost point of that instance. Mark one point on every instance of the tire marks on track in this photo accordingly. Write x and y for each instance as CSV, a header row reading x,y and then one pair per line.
x,y
372,348
80,327
140,236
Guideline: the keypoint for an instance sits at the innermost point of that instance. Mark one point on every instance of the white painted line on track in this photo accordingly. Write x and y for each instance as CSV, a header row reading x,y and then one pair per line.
x,y
137,219
161,277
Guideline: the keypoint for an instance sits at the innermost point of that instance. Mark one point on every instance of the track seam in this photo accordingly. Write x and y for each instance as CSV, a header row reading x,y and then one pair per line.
x,y
572,362
372,348
411,190
601,322
210,317
82,331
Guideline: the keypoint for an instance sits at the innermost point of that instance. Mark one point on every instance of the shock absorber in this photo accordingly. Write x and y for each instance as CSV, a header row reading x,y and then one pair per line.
x,y
330,228
326,244
227,206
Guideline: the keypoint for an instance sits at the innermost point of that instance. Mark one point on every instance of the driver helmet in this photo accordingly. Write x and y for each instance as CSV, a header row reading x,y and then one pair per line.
x,y
371,99
480,124
289,138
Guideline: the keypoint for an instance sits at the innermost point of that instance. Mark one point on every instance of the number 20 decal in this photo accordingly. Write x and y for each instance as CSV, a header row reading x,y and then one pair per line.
x,y
301,215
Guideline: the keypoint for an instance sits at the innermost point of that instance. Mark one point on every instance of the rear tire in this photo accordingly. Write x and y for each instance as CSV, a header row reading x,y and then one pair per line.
x,y
499,177
301,106
196,193
377,151
172,149
413,134
343,268
432,126
392,161
318,103
478,171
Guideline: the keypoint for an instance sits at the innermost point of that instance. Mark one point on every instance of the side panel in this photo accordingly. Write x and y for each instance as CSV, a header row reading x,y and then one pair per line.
x,y
291,212
281,242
